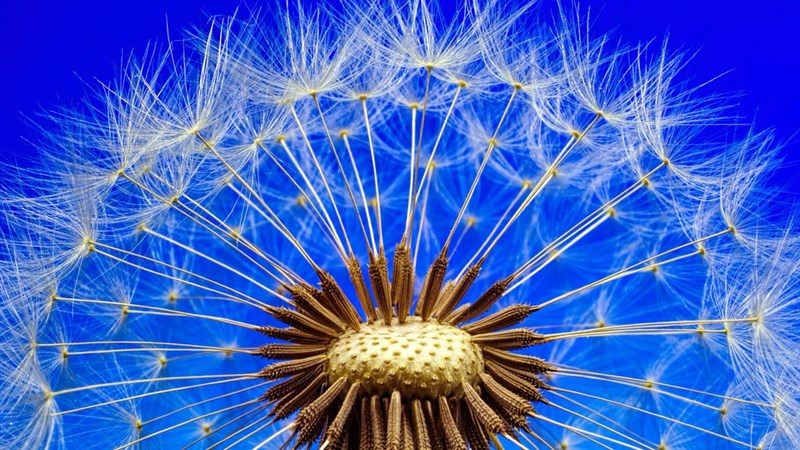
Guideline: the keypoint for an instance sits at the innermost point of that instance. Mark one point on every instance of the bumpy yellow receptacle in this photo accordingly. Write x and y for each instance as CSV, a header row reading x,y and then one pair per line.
x,y
419,359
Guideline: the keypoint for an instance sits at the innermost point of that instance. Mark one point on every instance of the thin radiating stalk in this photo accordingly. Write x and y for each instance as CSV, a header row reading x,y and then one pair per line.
x,y
412,169
149,394
378,217
259,407
276,222
266,420
324,224
657,415
588,434
343,173
596,413
212,260
486,156
588,222
151,380
287,273
429,165
647,327
220,226
364,202
187,422
131,308
423,218
204,401
247,299
541,440
630,270
598,424
497,224
276,434
545,179
565,370
228,296
314,194
324,180
176,204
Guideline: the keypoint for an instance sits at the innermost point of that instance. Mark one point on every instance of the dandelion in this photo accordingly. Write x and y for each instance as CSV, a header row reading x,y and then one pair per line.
x,y
387,227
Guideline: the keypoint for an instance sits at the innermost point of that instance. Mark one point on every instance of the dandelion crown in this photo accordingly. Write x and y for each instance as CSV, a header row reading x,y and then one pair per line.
x,y
390,227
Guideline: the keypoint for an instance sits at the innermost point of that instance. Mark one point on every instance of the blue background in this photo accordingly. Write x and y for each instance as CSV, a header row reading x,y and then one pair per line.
x,y
51,51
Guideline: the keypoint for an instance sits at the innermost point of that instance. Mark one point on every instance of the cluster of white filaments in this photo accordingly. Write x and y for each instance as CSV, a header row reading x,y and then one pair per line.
x,y
398,227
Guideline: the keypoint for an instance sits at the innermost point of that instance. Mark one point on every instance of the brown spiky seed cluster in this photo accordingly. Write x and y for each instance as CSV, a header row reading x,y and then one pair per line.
x,y
428,378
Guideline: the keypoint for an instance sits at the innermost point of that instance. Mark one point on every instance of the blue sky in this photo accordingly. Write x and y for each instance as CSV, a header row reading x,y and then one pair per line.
x,y
51,50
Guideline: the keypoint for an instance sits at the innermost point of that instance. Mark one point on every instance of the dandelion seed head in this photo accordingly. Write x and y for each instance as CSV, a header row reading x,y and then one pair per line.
x,y
391,226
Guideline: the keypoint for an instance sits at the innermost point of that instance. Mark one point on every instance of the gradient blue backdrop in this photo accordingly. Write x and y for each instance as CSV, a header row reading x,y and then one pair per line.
x,y
51,50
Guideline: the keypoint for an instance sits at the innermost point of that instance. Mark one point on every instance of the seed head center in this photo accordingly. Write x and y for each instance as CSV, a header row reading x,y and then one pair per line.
x,y
419,359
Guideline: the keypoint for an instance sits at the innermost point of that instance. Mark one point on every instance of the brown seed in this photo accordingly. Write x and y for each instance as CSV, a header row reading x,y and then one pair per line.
x,y
291,403
313,412
394,425
451,433
291,367
293,335
510,401
402,281
291,351
431,286
502,319
379,278
337,427
485,415
484,302
360,284
291,385
420,428
509,339
459,290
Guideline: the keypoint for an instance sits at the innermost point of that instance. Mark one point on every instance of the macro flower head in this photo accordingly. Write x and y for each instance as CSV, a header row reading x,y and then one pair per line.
x,y
381,225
